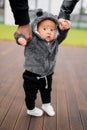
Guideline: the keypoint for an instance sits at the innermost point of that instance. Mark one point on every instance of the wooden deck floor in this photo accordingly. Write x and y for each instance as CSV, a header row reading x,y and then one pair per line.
x,y
69,95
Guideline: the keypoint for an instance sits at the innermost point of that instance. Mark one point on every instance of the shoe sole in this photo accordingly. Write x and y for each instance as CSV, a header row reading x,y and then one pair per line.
x,y
36,115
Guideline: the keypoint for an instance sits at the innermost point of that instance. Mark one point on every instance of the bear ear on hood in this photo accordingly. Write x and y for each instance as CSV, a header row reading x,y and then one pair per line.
x,y
39,12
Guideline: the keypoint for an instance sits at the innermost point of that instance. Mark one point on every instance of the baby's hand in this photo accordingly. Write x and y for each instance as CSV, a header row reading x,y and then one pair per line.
x,y
64,24
23,34
20,39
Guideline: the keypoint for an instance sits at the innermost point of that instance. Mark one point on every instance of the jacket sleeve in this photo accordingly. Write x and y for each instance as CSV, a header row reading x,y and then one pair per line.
x,y
67,8
62,35
20,11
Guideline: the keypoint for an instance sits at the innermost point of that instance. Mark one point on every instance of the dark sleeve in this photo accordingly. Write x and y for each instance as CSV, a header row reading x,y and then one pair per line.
x,y
67,8
20,11
62,35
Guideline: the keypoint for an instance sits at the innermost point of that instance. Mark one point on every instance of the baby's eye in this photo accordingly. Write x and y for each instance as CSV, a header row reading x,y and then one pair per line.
x,y
44,29
52,30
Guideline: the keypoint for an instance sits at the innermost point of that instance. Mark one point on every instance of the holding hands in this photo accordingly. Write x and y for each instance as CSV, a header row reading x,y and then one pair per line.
x,y
64,24
24,32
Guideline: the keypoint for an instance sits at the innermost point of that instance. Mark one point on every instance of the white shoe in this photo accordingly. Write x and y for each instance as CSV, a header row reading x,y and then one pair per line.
x,y
48,109
35,112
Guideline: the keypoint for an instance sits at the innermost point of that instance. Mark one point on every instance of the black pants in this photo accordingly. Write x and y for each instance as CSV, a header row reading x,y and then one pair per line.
x,y
32,85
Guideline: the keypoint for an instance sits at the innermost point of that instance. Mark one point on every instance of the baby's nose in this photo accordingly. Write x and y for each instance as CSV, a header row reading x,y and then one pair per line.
x,y
48,30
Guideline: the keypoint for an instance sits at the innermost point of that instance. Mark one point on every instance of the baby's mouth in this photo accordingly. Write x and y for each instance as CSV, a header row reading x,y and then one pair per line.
x,y
48,36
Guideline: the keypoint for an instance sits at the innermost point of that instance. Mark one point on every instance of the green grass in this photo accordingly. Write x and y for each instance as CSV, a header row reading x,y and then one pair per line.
x,y
76,37
6,32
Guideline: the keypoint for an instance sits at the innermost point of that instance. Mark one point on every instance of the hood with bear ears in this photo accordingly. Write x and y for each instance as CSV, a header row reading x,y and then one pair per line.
x,y
40,16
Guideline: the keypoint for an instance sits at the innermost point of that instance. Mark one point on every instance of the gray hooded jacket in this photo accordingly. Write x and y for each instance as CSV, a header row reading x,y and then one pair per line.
x,y
40,57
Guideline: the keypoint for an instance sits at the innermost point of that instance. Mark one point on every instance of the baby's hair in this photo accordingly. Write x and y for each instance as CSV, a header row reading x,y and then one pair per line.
x,y
44,20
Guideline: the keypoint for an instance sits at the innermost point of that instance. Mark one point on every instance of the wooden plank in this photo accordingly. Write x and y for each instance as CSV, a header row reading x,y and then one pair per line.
x,y
80,89
62,112
50,123
23,121
36,123
8,101
73,108
10,80
9,72
13,112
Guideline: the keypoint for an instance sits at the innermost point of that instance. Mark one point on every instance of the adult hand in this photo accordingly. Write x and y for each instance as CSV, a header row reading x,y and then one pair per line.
x,y
64,24
24,30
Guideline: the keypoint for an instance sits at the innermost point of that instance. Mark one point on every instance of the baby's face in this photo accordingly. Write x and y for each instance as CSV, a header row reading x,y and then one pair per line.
x,y
47,30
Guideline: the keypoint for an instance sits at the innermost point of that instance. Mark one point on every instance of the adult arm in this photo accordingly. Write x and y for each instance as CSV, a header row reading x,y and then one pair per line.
x,y
64,14
67,8
20,11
